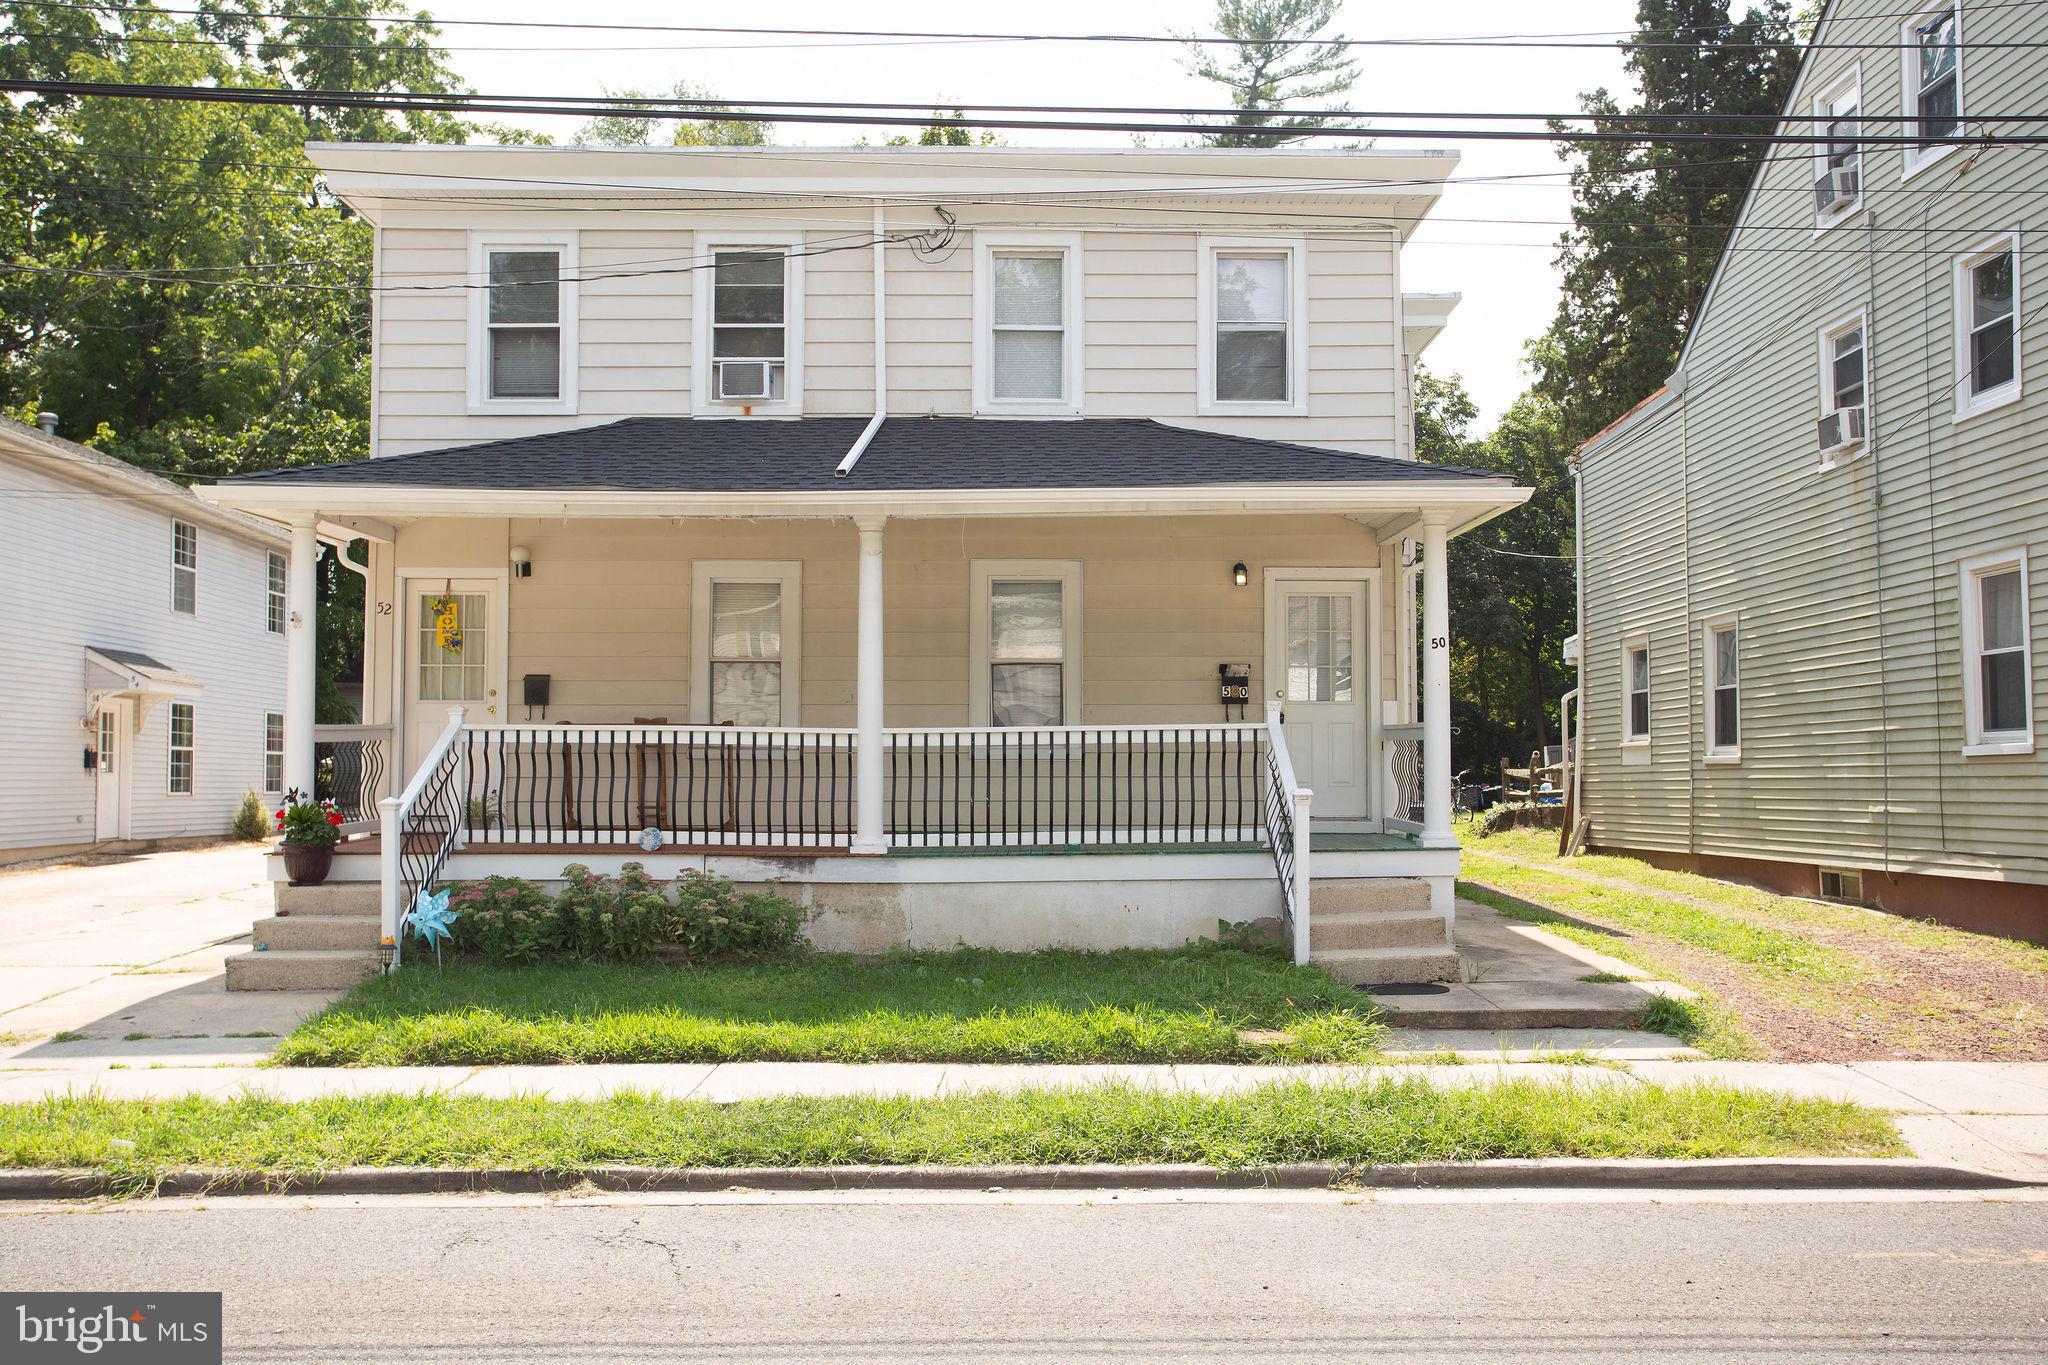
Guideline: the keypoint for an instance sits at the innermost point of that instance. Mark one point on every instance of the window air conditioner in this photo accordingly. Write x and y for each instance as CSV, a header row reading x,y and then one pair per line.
x,y
1836,187
744,380
1841,429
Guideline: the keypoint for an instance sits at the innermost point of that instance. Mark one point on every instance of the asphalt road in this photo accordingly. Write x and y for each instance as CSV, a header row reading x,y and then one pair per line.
x,y
1264,1279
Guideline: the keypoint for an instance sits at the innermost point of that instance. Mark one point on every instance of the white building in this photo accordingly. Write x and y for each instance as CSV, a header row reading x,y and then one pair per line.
x,y
141,652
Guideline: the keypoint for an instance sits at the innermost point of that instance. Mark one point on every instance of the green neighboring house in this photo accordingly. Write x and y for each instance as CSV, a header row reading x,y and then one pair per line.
x,y
1809,562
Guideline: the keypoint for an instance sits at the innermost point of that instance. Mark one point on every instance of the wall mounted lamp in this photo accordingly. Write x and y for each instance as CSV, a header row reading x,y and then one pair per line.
x,y
1238,574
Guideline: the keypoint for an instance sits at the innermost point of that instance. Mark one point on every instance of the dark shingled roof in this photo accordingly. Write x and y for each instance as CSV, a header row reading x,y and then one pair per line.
x,y
692,455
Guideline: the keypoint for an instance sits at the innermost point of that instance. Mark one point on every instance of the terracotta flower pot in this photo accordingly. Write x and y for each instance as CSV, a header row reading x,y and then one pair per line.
x,y
308,864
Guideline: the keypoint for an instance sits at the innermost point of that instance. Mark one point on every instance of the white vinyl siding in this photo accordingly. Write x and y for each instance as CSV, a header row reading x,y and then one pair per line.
x,y
1987,327
1998,670
184,568
273,752
274,580
184,742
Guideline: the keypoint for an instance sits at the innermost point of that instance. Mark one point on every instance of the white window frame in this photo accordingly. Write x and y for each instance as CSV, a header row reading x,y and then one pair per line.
x,y
704,400
1969,405
273,752
1629,734
986,573
788,574
276,584
1295,250
1977,742
1708,629
1916,159
1067,247
481,245
1849,88
1852,320
184,534
172,749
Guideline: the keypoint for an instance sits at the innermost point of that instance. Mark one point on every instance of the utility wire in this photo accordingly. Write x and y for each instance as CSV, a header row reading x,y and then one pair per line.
x,y
605,108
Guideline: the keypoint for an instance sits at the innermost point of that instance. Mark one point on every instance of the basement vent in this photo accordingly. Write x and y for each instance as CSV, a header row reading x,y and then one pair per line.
x,y
1841,884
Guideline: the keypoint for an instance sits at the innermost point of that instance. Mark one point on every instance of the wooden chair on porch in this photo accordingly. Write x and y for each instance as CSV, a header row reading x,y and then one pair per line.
x,y
643,758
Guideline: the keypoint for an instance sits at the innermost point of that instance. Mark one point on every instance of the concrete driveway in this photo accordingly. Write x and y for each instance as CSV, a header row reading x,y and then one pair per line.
x,y
133,945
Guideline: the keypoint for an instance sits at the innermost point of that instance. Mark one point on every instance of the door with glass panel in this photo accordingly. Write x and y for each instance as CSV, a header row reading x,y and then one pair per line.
x,y
110,770
449,662
1318,673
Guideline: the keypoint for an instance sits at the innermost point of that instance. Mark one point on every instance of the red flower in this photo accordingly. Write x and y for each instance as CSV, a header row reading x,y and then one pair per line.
x,y
334,817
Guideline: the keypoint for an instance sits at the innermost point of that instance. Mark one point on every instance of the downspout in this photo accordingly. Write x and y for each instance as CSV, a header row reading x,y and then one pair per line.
x,y
881,353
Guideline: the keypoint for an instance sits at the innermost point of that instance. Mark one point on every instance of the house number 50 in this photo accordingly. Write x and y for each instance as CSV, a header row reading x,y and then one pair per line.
x,y
1439,642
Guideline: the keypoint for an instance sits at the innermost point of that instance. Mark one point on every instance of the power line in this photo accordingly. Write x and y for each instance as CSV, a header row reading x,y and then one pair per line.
x,y
556,106
1509,40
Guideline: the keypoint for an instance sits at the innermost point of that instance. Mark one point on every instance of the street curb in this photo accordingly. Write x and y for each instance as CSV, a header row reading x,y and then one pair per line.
x,y
1807,1173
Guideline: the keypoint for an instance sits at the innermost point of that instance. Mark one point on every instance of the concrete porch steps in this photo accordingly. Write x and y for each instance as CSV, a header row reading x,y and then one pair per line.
x,y
1369,932
1380,966
322,938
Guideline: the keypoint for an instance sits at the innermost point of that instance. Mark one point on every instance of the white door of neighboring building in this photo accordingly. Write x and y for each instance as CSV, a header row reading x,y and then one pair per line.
x,y
471,674
1319,673
110,771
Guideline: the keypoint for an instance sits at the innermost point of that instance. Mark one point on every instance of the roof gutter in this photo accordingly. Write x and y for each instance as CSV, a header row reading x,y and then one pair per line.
x,y
874,425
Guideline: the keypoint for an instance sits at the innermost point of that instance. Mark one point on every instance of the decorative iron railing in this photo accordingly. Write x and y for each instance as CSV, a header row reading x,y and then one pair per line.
x,y
1073,786
349,763
1286,808
420,827
690,784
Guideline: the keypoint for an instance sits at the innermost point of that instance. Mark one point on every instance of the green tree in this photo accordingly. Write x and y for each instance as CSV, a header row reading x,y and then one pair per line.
x,y
947,135
1650,216
624,130
1511,580
1278,55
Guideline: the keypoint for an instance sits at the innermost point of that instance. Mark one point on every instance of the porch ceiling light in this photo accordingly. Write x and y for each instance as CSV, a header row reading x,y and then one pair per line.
x,y
1238,574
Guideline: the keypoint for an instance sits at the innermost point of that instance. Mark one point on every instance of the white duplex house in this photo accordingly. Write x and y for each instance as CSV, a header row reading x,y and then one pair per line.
x,y
142,674
1000,546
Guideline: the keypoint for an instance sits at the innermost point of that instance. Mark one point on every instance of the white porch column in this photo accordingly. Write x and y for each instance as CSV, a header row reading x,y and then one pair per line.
x,y
869,761
300,621
1436,686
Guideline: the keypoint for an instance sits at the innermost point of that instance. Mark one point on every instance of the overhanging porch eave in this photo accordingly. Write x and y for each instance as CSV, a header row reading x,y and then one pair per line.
x,y
1465,503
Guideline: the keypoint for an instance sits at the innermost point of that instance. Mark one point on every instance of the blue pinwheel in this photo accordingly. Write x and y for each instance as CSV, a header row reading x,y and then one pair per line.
x,y
432,920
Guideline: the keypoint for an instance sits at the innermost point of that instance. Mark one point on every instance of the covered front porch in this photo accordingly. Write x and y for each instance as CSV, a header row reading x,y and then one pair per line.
x,y
1014,716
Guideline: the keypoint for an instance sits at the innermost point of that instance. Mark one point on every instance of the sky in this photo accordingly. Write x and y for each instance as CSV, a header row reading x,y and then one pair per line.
x,y
1493,242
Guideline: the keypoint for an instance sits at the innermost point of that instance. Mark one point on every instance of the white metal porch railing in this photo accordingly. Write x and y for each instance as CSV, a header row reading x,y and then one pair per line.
x,y
788,790
349,766
1401,753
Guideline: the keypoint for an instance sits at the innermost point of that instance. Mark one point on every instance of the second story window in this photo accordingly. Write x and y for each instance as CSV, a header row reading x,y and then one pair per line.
x,y
1934,83
1251,329
749,327
184,568
273,593
524,325
1998,660
1838,169
1028,313
1842,406
1987,353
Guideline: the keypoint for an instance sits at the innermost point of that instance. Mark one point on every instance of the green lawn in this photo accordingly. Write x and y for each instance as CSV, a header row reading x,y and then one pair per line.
x,y
1387,1121
1192,1005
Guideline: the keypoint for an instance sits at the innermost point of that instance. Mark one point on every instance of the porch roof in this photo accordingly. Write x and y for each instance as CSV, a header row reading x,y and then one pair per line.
x,y
908,454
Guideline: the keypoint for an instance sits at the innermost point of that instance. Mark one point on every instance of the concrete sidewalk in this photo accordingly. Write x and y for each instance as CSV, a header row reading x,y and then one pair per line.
x,y
1986,1115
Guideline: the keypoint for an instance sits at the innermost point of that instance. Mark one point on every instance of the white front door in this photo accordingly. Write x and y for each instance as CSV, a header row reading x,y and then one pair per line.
x,y
110,771
465,673
1318,672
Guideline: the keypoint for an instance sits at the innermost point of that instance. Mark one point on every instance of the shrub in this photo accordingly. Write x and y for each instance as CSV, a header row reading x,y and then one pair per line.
x,y
622,918
505,920
713,919
252,820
